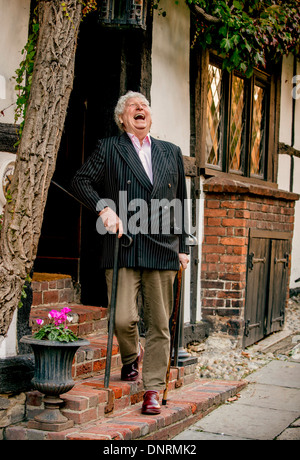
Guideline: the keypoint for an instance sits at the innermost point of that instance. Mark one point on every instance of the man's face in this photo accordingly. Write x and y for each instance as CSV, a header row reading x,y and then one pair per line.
x,y
136,117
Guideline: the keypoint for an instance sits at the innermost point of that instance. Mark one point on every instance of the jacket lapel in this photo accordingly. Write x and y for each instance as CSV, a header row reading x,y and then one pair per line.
x,y
159,164
128,153
159,156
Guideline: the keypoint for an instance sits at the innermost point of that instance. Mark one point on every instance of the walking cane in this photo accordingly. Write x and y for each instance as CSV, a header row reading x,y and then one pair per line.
x,y
111,325
113,292
174,327
173,331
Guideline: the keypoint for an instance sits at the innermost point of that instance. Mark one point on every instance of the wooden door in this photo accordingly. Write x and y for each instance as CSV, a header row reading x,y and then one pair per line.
x,y
280,250
257,289
267,284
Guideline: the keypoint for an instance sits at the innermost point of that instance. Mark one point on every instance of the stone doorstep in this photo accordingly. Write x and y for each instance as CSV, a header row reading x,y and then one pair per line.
x,y
184,407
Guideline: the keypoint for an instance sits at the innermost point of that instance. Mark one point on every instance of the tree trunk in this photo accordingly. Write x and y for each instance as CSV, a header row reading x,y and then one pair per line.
x,y
50,91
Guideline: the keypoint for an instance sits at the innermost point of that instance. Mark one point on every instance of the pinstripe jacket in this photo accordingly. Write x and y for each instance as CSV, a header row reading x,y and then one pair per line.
x,y
115,167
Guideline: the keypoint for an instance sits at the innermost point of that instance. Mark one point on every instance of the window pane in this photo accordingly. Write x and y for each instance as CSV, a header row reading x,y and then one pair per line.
x,y
237,125
257,158
214,117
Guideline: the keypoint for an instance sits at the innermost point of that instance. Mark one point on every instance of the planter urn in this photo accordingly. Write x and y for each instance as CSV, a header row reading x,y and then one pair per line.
x,y
52,377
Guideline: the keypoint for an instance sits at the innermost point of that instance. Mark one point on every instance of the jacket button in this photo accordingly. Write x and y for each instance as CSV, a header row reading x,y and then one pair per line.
x,y
129,182
169,185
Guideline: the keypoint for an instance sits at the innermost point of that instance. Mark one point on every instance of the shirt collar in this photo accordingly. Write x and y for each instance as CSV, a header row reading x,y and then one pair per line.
x,y
136,140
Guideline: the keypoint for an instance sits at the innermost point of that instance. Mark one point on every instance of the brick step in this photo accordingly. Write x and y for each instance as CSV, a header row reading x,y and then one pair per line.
x,y
90,401
52,289
91,406
124,421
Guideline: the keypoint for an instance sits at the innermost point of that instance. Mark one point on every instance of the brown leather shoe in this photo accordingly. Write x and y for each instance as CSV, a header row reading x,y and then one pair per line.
x,y
130,372
151,405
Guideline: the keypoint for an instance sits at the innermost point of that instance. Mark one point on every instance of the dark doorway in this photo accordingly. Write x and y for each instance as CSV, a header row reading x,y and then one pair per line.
x,y
109,61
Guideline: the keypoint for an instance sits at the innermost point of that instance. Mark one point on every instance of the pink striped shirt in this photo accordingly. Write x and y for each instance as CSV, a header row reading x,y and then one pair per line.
x,y
144,152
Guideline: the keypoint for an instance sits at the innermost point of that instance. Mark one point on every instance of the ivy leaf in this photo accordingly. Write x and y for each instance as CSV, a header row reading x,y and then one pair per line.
x,y
248,47
223,31
225,43
208,38
236,59
235,39
238,5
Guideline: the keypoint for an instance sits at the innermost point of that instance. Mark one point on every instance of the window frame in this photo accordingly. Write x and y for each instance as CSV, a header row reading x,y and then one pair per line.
x,y
270,81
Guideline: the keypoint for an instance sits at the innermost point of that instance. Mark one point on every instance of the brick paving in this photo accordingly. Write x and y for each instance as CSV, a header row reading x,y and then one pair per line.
x,y
184,407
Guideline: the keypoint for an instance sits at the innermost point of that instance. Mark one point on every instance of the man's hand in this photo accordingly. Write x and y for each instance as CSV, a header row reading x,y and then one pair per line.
x,y
184,260
111,221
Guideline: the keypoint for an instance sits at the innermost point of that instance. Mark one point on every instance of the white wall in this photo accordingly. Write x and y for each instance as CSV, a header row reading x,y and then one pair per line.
x,y
284,161
285,128
170,93
297,109
14,19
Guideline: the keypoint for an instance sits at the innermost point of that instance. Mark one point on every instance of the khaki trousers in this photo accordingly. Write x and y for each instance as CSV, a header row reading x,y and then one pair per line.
x,y
157,292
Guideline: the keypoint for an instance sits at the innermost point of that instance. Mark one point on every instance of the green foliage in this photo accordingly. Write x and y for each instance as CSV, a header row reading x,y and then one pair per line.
x,y
59,333
249,33
24,293
24,73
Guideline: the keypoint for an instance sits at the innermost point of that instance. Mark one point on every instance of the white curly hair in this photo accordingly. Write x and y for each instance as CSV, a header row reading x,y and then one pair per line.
x,y
120,107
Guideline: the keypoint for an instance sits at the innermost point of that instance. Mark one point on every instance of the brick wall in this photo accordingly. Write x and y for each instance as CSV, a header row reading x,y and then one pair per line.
x,y
231,209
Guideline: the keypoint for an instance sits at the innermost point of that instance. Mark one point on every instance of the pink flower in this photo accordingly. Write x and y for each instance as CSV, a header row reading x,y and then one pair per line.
x,y
59,316
54,314
40,321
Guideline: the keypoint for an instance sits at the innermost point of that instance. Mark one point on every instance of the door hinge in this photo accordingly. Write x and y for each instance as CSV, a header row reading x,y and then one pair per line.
x,y
285,260
252,261
249,326
279,318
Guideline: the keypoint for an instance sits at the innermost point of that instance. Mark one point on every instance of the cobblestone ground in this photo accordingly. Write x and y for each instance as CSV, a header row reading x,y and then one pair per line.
x,y
219,358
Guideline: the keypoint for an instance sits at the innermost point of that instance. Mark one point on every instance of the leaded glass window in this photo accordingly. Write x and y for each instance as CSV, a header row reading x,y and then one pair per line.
x,y
214,117
258,132
236,123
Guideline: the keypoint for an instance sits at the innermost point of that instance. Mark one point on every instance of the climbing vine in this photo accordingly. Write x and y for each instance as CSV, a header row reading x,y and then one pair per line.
x,y
24,72
247,34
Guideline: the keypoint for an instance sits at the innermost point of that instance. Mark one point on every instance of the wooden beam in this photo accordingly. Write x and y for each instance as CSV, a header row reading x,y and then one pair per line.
x,y
8,137
288,150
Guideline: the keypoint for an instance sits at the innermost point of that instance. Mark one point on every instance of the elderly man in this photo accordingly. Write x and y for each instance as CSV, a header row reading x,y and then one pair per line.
x,y
136,169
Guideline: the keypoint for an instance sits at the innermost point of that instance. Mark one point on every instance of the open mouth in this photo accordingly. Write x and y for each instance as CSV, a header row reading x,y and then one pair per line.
x,y
139,116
